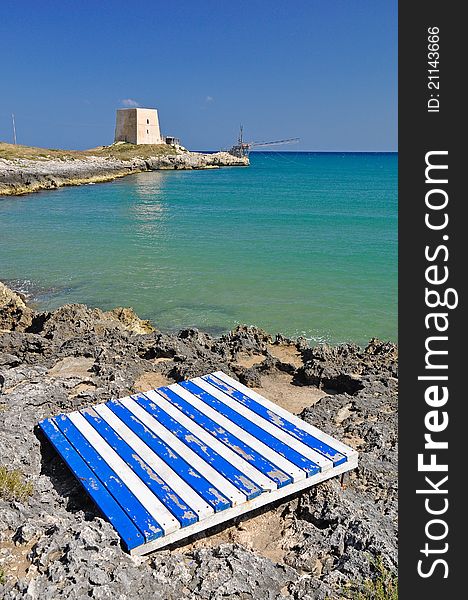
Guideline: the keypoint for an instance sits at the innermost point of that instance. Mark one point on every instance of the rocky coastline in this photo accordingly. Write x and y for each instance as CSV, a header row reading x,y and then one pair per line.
x,y
327,543
22,175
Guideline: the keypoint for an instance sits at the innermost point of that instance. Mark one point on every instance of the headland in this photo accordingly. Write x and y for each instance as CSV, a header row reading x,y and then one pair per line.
x,y
25,169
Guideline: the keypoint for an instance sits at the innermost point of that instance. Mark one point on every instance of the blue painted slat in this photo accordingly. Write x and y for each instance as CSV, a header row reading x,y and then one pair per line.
x,y
129,533
292,455
301,435
231,473
136,511
230,440
201,485
183,513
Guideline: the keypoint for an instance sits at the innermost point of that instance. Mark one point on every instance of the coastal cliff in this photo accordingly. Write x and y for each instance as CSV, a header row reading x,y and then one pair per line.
x,y
24,170
328,542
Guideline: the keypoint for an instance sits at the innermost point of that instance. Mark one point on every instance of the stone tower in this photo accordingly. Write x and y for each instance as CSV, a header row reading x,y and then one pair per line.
x,y
137,126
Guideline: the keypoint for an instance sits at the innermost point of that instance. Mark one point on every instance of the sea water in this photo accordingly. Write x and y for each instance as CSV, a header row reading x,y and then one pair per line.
x,y
297,243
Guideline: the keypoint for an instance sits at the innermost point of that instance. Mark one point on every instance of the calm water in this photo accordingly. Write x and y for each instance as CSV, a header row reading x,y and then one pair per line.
x,y
301,243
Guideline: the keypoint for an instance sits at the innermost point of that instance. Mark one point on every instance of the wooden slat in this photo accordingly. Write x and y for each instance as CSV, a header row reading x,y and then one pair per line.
x,y
124,526
249,447
205,445
145,522
304,466
156,509
319,434
152,479
280,434
194,479
218,481
186,457
173,482
242,509
283,423
245,468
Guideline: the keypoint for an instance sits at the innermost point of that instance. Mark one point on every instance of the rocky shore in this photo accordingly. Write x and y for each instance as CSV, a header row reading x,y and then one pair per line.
x,y
327,543
23,175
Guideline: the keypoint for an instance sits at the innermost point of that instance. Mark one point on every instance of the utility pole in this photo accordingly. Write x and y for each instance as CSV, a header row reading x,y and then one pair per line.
x,y
14,128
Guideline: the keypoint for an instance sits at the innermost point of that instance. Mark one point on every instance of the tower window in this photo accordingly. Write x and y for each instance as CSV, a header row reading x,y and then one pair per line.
x,y
147,121
147,131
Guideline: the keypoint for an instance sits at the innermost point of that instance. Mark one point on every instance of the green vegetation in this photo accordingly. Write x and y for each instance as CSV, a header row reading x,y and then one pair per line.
x,y
120,150
2,576
384,585
125,151
13,486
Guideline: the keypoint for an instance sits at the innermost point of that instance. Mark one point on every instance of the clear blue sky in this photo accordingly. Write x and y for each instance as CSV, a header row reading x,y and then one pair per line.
x,y
322,70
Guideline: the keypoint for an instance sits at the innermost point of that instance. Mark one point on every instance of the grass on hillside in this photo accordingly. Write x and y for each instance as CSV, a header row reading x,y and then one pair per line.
x,y
120,150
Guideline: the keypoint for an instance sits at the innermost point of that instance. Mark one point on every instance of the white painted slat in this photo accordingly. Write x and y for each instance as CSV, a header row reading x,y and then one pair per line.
x,y
152,504
320,435
219,482
172,479
232,513
282,463
280,434
234,459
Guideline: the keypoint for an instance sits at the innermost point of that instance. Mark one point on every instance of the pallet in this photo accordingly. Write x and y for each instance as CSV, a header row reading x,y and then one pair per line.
x,y
175,461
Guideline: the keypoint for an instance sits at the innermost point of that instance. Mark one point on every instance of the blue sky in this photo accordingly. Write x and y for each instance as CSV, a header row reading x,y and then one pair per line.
x,y
322,70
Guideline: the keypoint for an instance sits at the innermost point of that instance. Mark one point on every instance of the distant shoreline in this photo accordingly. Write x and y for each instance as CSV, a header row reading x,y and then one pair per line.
x,y
25,169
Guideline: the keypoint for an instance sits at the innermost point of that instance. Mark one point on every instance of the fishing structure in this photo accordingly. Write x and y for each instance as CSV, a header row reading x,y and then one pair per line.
x,y
243,148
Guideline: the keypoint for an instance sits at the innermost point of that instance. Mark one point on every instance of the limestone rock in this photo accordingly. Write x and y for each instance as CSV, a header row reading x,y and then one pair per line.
x,y
21,176
73,320
131,321
14,314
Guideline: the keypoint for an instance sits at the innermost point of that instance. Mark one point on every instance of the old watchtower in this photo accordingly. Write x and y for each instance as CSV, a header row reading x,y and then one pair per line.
x,y
137,126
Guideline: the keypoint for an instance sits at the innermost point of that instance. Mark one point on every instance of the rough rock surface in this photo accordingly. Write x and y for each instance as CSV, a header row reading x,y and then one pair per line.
x,y
55,544
20,176
14,314
73,320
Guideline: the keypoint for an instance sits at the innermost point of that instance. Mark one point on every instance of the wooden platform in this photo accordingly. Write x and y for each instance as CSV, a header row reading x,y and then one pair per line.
x,y
177,460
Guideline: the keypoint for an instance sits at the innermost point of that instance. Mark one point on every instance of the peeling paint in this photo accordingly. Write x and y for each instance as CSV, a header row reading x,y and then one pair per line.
x,y
219,497
278,475
147,469
248,484
242,452
276,419
191,438
225,465
162,392
152,529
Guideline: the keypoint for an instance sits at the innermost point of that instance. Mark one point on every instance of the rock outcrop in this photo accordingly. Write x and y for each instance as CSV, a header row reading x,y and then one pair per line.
x,y
21,176
314,546
14,314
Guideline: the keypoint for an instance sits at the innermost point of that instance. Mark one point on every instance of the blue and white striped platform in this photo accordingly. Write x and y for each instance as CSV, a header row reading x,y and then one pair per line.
x,y
177,460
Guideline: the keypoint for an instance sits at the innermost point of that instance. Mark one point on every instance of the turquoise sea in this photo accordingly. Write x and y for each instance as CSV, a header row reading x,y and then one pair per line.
x,y
298,243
